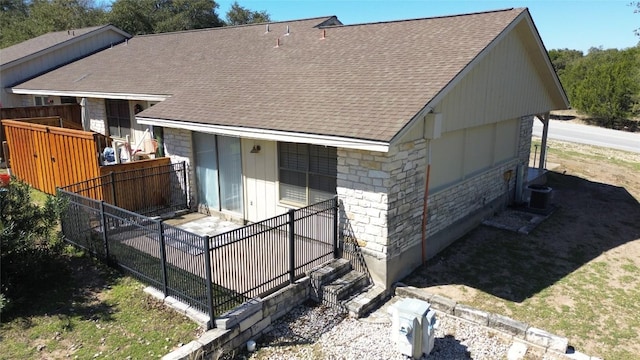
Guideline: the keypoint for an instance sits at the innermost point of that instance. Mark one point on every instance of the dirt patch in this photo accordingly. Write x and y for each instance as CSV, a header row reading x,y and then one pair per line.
x,y
577,273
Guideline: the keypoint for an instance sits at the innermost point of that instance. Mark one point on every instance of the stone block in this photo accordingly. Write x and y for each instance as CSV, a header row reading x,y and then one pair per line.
x,y
154,292
546,339
471,314
240,313
251,320
185,352
260,326
213,338
508,325
443,304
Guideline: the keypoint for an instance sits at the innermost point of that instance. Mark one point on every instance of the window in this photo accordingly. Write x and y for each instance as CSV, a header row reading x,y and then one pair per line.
x,y
307,172
42,100
68,100
118,118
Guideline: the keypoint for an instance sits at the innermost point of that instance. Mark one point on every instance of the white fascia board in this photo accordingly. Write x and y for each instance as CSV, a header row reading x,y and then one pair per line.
x,y
89,94
271,135
545,54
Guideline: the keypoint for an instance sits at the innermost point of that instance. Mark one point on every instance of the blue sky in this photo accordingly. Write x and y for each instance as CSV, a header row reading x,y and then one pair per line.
x,y
562,24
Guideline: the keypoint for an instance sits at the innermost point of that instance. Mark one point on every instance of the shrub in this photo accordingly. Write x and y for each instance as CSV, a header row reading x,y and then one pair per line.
x,y
30,246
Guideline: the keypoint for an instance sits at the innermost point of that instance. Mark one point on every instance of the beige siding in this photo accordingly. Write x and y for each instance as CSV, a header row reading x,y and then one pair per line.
x,y
506,140
447,154
503,85
259,172
478,148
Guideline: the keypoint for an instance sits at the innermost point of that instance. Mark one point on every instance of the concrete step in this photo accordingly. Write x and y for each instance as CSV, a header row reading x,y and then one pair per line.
x,y
363,303
343,287
325,274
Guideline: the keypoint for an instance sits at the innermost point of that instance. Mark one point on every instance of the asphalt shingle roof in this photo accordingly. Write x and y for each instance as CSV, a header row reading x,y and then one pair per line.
x,y
40,43
361,81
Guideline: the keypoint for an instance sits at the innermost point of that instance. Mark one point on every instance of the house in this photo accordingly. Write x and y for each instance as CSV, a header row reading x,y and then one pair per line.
x,y
421,127
36,56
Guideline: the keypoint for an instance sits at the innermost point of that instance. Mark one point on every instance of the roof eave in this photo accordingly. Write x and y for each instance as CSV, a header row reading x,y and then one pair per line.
x,y
444,91
64,44
271,135
90,94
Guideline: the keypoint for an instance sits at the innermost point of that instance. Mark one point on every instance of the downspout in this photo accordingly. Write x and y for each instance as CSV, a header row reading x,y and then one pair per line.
x,y
425,204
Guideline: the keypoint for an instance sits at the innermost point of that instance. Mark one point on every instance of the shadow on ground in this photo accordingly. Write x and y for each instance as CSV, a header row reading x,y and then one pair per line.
x,y
591,218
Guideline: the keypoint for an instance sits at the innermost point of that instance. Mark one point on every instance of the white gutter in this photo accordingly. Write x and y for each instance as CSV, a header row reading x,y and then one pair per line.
x,y
272,135
90,94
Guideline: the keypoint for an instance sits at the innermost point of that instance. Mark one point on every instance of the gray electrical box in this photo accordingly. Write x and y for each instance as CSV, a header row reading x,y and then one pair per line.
x,y
413,327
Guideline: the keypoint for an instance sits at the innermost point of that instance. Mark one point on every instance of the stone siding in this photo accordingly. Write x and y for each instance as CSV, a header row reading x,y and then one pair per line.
x,y
362,186
524,143
406,195
178,145
97,115
453,203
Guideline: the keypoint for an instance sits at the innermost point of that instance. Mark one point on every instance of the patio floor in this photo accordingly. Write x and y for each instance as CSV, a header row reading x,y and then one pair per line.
x,y
202,224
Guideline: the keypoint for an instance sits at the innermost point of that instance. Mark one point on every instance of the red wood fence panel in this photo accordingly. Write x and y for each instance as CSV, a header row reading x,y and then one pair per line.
x,y
71,115
47,157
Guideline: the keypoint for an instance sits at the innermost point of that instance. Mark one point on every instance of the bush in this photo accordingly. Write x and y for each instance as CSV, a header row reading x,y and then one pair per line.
x,y
30,246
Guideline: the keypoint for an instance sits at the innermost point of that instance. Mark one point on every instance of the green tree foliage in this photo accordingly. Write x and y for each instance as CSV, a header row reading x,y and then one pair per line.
x,y
604,83
30,248
139,17
21,20
238,15
562,57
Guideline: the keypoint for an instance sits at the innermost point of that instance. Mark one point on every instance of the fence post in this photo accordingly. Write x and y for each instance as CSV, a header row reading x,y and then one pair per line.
x,y
163,259
113,188
103,220
335,227
292,250
184,181
208,270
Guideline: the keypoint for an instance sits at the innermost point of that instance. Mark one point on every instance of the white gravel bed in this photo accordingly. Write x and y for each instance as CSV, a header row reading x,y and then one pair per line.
x,y
319,332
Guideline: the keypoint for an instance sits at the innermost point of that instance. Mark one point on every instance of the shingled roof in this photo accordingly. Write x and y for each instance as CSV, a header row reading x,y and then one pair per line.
x,y
46,42
362,81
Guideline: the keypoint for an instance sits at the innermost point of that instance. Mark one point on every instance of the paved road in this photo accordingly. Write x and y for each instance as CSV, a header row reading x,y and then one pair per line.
x,y
590,135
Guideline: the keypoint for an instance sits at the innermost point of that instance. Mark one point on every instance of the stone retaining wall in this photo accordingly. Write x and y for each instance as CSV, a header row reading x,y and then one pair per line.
x,y
248,321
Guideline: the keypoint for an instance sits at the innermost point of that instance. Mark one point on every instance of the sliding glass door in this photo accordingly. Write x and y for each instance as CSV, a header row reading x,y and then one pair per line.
x,y
218,172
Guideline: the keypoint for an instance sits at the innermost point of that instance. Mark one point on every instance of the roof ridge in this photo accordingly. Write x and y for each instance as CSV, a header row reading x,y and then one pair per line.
x,y
229,27
430,17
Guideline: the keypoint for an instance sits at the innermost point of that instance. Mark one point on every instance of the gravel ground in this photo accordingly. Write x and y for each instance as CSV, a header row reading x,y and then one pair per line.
x,y
319,332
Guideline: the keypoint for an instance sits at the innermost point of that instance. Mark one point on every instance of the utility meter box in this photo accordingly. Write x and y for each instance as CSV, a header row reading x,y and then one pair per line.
x,y
413,327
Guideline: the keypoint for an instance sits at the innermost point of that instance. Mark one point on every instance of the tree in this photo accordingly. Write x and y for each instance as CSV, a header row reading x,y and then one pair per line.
x,y
22,20
238,15
605,83
31,250
561,58
139,17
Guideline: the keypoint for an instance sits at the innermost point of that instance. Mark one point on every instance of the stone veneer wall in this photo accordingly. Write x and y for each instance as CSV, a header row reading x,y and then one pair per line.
x,y
383,199
97,115
362,187
178,145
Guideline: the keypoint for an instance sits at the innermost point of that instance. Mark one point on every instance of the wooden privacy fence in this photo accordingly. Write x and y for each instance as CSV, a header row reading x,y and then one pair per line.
x,y
47,157
71,115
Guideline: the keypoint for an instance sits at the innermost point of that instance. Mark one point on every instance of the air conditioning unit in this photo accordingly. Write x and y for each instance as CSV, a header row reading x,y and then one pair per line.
x,y
413,326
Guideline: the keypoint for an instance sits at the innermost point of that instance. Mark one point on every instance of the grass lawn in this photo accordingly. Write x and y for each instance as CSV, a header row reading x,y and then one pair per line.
x,y
94,312
577,274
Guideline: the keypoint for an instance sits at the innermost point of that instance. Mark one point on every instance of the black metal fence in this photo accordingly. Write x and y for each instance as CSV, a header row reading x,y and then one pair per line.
x,y
212,274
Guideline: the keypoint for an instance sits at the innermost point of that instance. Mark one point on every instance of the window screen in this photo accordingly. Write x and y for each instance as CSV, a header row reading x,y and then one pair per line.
x,y
118,117
307,172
